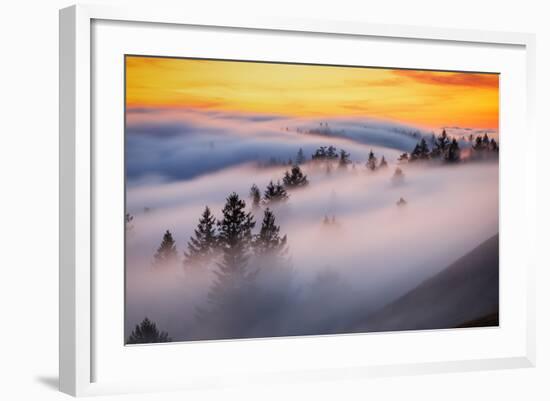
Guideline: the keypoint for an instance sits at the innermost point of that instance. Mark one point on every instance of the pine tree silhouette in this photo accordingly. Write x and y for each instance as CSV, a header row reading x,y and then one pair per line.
x,y
453,152
228,310
268,241
398,176
420,151
146,332
275,193
295,179
201,247
255,196
344,159
234,238
371,162
128,220
401,202
331,152
403,158
166,253
300,157
383,163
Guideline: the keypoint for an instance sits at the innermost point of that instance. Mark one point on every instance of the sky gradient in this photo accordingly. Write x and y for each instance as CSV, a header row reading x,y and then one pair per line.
x,y
422,98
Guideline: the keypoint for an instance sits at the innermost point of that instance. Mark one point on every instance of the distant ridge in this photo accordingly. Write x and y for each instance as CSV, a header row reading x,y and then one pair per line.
x,y
465,294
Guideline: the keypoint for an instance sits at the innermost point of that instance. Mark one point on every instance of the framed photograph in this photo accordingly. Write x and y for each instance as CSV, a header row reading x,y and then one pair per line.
x,y
274,200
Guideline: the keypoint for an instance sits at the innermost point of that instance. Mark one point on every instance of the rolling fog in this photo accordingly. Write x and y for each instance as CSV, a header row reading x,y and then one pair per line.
x,y
373,253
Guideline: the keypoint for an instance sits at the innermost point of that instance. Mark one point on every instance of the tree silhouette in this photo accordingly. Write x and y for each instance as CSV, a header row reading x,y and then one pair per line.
x,y
146,332
234,237
452,155
255,196
401,202
331,153
320,153
128,220
275,193
420,151
371,161
233,278
166,253
324,153
201,247
268,241
403,158
383,163
295,179
398,176
300,157
344,159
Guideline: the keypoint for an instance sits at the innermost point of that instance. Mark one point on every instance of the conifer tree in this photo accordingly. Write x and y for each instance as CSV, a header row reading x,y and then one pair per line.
x,y
201,247
300,157
485,141
269,242
441,145
295,179
255,196
398,176
478,144
166,253
403,158
275,193
453,152
421,151
344,159
371,162
234,235
331,152
228,310
146,333
128,219
320,153
442,141
383,163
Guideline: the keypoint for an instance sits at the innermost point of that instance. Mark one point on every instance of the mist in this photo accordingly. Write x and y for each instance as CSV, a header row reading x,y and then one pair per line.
x,y
351,248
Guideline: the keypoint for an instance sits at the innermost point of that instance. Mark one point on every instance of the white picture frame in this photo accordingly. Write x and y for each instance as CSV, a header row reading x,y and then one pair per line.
x,y
78,180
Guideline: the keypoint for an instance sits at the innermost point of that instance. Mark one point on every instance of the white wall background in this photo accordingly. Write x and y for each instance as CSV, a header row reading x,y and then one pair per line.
x,y
29,215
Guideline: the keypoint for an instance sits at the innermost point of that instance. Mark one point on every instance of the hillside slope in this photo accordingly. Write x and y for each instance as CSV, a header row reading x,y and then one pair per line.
x,y
466,291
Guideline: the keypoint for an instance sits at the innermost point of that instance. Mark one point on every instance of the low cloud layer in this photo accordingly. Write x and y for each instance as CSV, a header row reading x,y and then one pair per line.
x,y
375,251
168,145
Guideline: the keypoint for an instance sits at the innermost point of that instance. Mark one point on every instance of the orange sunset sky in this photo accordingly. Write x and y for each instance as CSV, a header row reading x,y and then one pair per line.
x,y
422,98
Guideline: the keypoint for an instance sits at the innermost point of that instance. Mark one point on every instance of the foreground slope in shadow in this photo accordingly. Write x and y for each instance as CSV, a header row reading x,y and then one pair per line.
x,y
465,294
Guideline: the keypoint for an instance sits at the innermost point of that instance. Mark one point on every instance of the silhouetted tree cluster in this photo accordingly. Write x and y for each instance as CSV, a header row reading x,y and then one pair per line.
x,y
146,332
235,287
443,149
275,193
295,178
483,147
323,153
420,151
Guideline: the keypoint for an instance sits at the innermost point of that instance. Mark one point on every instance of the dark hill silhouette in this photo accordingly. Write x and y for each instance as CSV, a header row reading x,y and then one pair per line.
x,y
465,294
